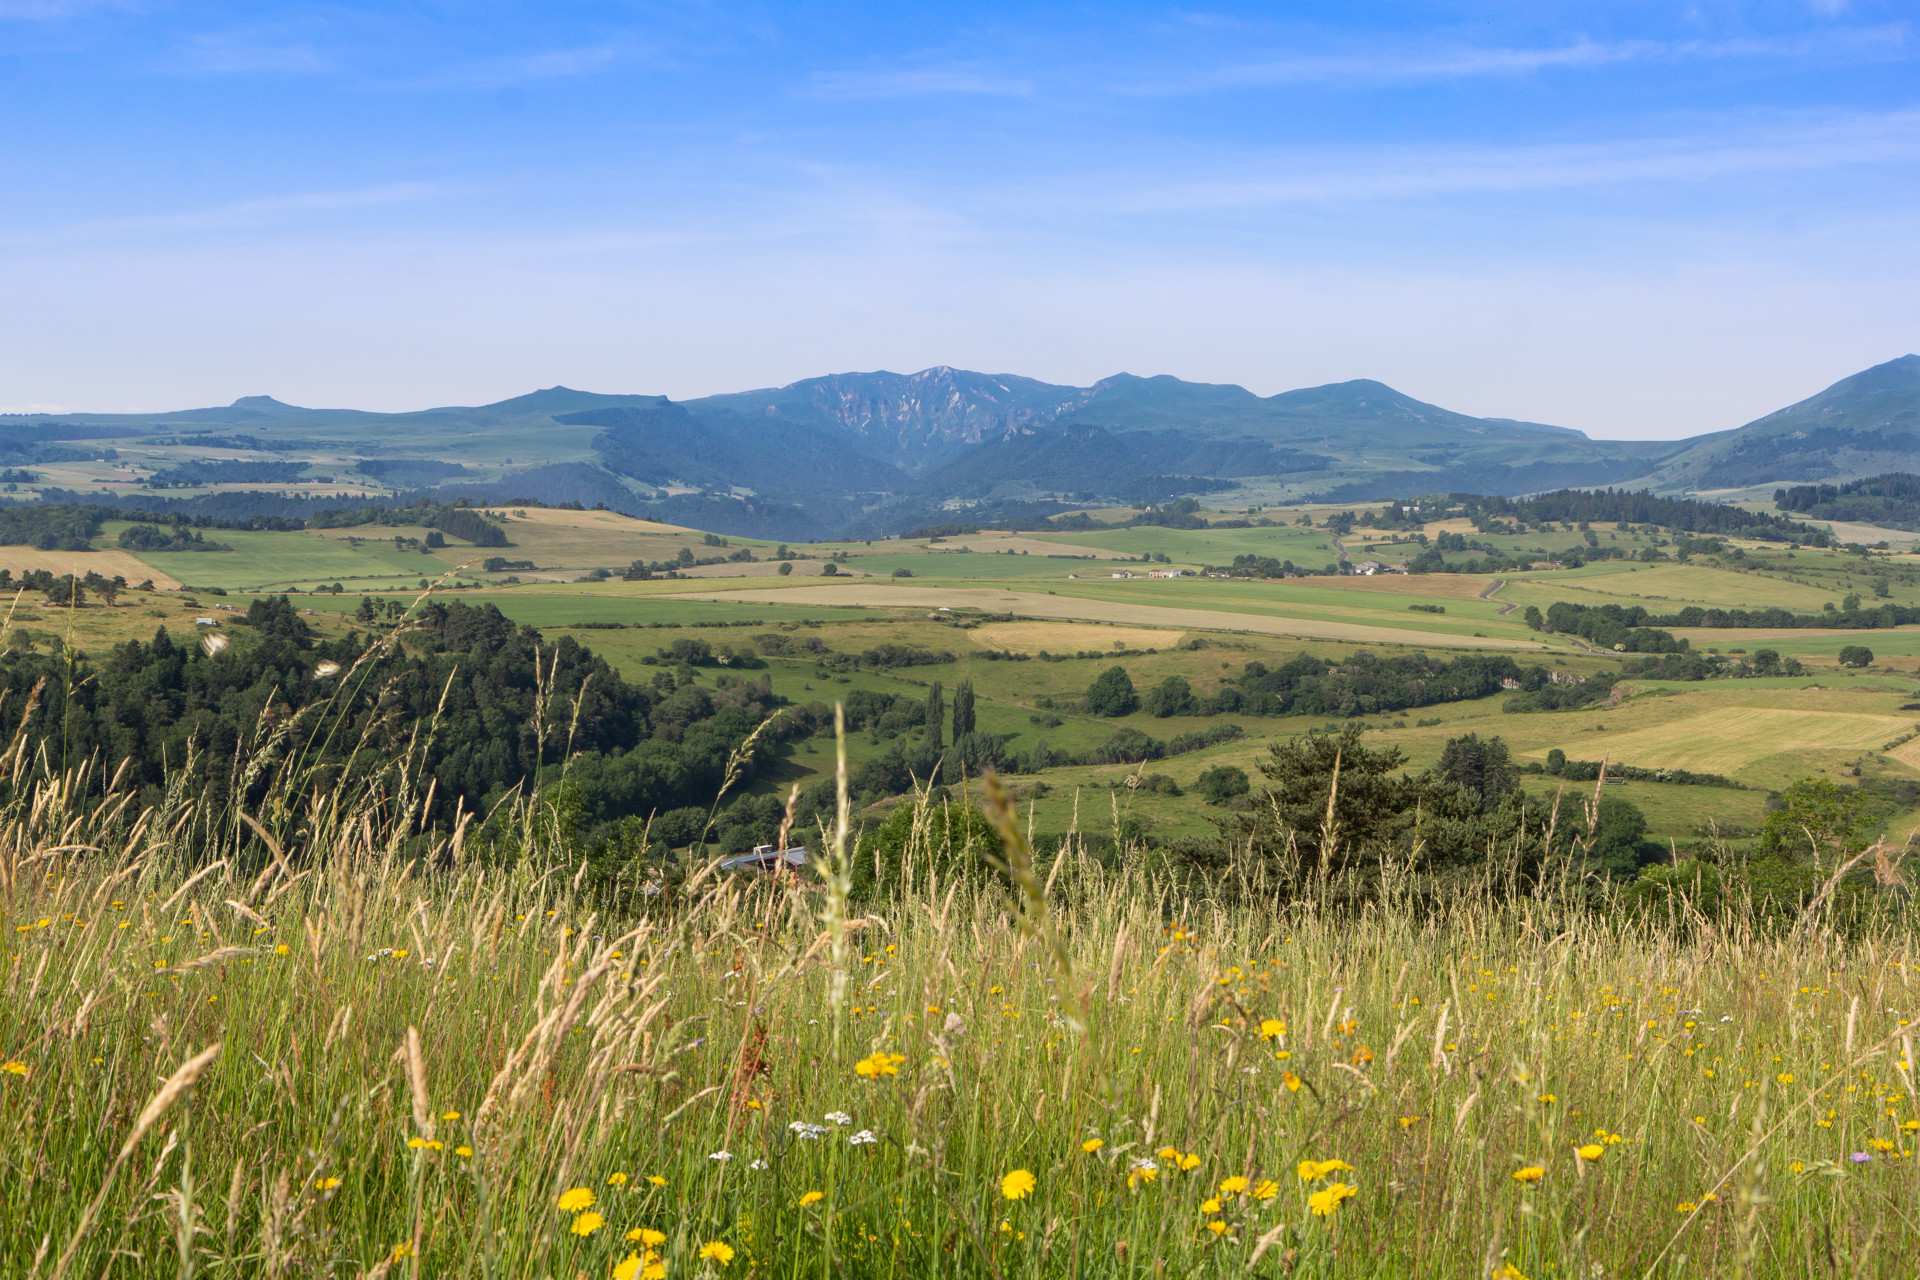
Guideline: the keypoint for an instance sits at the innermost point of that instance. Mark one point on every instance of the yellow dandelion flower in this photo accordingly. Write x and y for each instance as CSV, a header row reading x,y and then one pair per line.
x,y
465,1153
646,1236
1508,1272
1532,1173
283,950
1291,1080
717,1251
1265,1189
14,1068
654,1270
450,1116
1218,1227
656,1180
1189,1162
1092,1145
1233,1186
1547,1099
1168,1153
616,1179
1139,1174
588,1223
811,1197
326,1184
1314,1170
1272,1028
416,1143
1210,1206
1324,1201
1017,1185
1592,1151
628,1268
575,1200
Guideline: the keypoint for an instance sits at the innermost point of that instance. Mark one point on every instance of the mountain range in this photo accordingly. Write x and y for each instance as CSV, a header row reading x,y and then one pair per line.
x,y
865,454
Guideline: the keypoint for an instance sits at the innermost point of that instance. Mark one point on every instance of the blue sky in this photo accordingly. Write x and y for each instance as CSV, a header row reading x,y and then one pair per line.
x,y
1637,219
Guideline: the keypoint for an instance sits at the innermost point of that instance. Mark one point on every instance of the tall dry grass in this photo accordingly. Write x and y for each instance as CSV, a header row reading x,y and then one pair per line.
x,y
318,1041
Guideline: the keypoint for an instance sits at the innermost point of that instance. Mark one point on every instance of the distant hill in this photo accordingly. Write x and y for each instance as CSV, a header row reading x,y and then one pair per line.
x,y
1860,426
875,452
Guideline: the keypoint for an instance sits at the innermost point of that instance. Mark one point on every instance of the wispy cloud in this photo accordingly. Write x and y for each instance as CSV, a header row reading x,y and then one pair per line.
x,y
525,68
236,52
1455,62
54,10
265,211
1401,173
913,83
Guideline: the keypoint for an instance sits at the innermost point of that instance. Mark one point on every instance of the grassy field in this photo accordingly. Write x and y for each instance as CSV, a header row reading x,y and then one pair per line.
x,y
350,1063
1763,733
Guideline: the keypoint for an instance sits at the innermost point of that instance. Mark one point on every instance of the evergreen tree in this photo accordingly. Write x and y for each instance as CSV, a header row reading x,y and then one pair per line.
x,y
962,709
936,712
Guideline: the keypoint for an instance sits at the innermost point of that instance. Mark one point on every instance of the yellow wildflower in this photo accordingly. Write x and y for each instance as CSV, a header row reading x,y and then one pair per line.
x,y
1272,1029
1532,1173
812,1197
1092,1145
1265,1189
575,1200
588,1223
1017,1185
326,1184
1324,1201
717,1251
1233,1186
1592,1151
616,1179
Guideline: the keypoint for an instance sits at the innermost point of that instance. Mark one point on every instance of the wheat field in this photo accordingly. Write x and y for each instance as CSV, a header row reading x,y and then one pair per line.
x,y
372,1052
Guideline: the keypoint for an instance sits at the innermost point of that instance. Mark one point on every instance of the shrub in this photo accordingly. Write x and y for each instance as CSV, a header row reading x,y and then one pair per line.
x,y
1222,783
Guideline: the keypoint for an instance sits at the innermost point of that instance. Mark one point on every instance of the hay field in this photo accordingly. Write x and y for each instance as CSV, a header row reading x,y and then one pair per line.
x,y
1664,588
1078,608
1732,738
105,563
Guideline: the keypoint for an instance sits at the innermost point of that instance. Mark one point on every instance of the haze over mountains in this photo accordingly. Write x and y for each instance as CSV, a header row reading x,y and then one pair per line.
x,y
872,453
